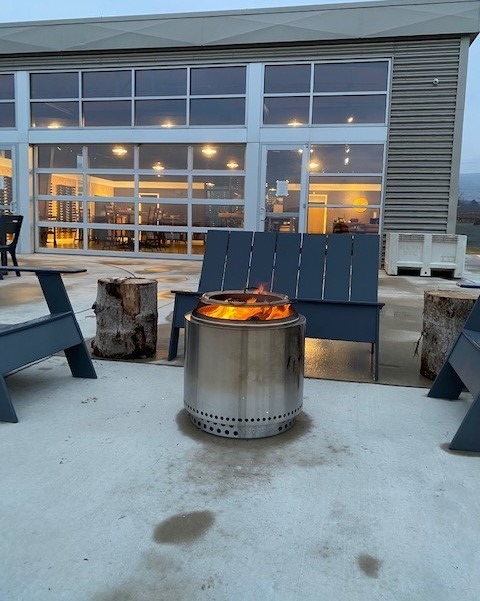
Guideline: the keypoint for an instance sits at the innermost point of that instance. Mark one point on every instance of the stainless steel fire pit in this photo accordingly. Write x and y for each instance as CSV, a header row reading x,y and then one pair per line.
x,y
244,360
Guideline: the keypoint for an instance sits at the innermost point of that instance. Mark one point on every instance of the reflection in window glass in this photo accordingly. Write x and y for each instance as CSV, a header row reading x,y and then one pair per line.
x,y
63,157
219,157
156,156
163,113
163,186
96,114
7,114
349,109
289,110
346,158
217,80
59,184
218,187
351,77
163,242
287,78
110,156
54,85
111,185
54,114
106,84
206,215
7,87
161,82
217,111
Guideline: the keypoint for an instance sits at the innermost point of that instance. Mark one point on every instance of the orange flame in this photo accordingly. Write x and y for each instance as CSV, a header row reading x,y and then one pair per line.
x,y
247,312
251,309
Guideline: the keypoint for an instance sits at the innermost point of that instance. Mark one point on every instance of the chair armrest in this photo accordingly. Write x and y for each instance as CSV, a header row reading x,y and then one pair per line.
x,y
43,269
338,302
187,292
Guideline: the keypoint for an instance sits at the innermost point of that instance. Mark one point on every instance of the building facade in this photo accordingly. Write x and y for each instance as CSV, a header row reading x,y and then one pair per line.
x,y
135,135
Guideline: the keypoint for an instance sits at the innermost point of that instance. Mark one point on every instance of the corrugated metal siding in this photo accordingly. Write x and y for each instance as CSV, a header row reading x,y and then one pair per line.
x,y
421,136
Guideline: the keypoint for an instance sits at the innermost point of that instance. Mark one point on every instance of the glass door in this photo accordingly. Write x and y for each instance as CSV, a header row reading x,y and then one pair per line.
x,y
284,204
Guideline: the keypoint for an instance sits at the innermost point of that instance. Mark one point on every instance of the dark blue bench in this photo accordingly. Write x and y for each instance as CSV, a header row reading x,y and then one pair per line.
x,y
462,369
333,279
28,341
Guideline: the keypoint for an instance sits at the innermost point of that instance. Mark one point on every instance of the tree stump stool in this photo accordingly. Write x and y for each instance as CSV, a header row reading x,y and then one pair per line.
x,y
126,311
444,314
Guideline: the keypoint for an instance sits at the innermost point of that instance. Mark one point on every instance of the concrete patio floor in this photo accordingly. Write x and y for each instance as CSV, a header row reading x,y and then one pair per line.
x,y
109,493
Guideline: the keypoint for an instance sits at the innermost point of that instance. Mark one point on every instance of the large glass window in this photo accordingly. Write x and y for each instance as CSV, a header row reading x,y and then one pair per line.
x,y
351,77
162,156
281,79
7,100
7,114
54,85
219,157
161,82
106,84
352,110
215,81
151,198
54,114
163,97
217,111
161,113
107,113
344,194
110,156
342,93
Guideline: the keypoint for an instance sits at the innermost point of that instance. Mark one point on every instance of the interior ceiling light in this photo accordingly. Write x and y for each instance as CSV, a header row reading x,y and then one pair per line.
x,y
295,123
313,165
208,151
158,166
350,119
53,125
232,164
347,148
119,151
346,160
167,124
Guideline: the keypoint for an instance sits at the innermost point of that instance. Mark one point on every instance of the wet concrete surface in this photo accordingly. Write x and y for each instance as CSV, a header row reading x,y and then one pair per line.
x,y
400,323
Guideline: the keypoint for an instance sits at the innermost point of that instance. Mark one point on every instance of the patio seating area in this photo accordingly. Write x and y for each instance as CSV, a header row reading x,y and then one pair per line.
x,y
109,493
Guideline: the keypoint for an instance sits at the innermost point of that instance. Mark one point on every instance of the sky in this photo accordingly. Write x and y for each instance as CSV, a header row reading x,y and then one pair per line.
x,y
36,10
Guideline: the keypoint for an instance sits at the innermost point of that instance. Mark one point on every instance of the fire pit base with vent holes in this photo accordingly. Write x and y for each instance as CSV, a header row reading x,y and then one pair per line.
x,y
244,362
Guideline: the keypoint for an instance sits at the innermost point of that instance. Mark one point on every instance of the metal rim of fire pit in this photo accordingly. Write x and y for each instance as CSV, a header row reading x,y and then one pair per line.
x,y
226,298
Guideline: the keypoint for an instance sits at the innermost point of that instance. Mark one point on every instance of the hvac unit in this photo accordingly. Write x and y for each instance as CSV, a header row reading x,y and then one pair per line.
x,y
425,252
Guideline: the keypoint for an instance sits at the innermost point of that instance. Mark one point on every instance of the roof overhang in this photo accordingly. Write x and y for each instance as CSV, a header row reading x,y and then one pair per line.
x,y
304,24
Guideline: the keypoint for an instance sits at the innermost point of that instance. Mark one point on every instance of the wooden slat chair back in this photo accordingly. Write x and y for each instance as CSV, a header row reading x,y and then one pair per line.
x,y
333,279
461,369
